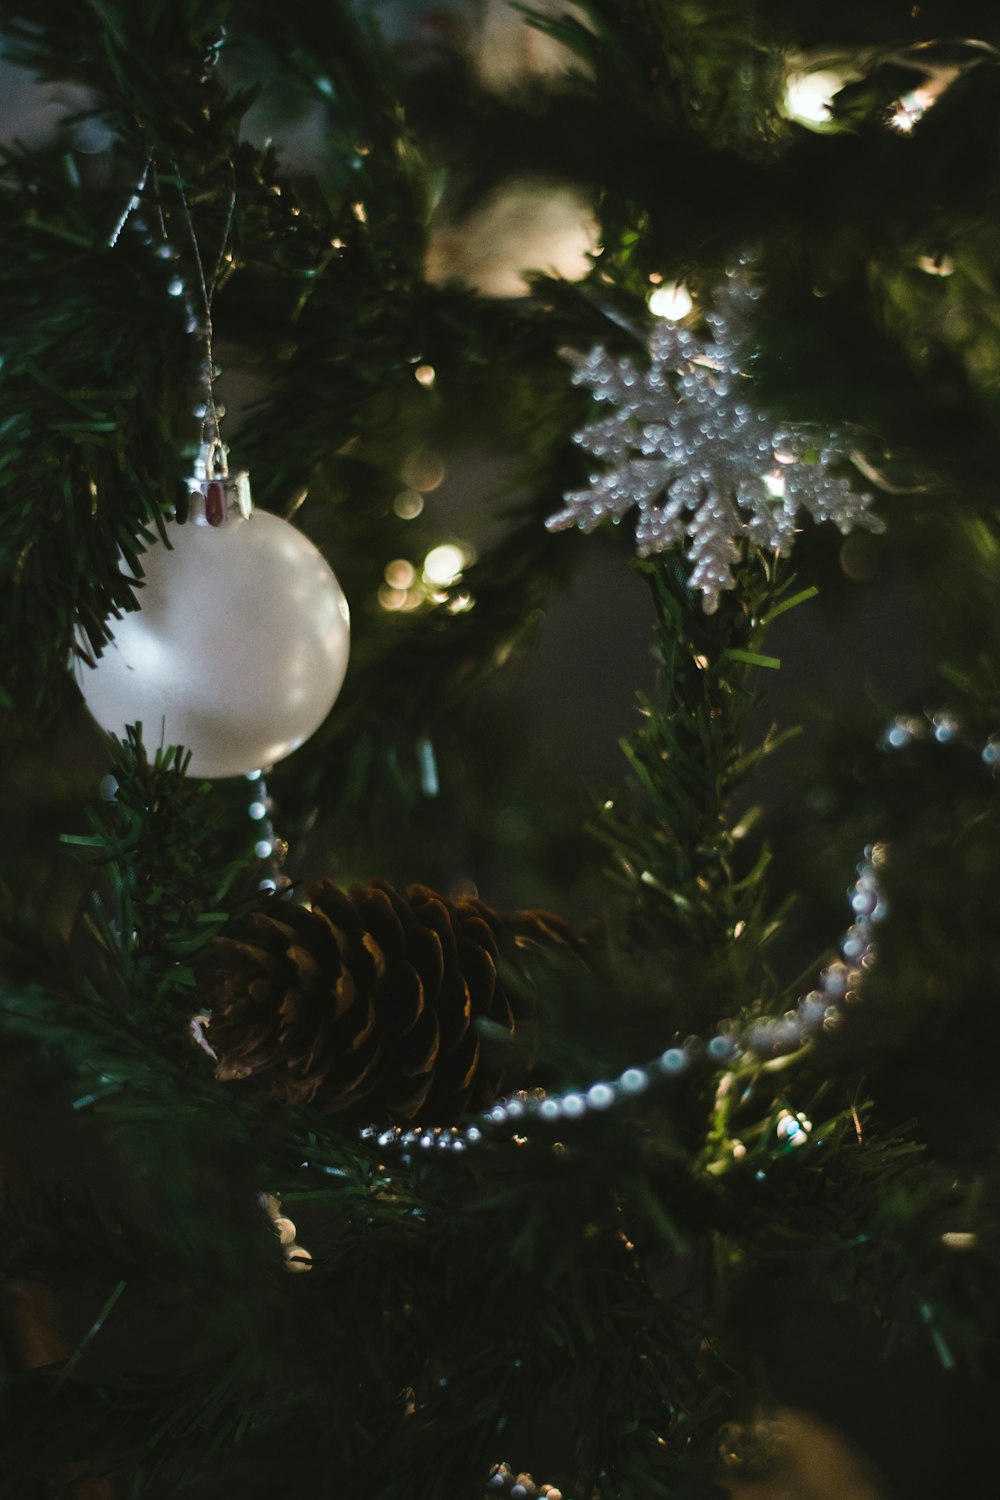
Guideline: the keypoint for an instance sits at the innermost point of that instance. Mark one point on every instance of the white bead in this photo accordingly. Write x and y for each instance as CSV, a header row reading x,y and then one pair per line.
x,y
238,651
634,1080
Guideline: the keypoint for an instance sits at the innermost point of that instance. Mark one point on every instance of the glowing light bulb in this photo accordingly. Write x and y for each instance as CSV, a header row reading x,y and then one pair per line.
x,y
936,265
911,108
671,300
399,574
422,471
444,564
809,96
390,598
408,504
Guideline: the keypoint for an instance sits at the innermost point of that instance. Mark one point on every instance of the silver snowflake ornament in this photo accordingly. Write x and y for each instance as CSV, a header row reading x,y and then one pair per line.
x,y
686,446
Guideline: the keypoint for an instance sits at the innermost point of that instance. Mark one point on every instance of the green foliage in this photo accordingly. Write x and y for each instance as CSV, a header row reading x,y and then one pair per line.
x,y
611,1277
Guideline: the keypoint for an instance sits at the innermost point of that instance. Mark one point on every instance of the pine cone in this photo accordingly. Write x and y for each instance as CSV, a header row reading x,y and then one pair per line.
x,y
368,1002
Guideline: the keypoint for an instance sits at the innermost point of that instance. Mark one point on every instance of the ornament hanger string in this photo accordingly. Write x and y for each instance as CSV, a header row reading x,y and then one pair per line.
x,y
215,457
213,453
132,204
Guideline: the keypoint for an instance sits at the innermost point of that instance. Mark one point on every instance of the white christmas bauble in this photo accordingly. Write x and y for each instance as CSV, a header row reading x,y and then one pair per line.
x,y
237,652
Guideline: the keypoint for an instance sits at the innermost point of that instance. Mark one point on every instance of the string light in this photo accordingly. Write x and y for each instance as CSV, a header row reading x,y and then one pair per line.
x,y
910,109
445,564
671,300
809,94
422,471
408,504
400,573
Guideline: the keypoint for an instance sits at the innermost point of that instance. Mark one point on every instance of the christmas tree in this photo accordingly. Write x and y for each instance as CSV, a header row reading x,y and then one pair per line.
x,y
565,1045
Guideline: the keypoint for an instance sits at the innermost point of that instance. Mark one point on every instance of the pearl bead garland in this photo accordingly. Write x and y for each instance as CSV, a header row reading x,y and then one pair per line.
x,y
820,1010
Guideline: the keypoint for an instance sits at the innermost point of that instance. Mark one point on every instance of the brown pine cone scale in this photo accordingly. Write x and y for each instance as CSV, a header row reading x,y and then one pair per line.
x,y
367,1002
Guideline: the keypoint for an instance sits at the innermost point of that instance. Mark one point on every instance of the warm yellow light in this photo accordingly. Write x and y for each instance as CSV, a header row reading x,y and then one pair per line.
x,y
911,108
444,564
936,265
809,96
422,471
399,574
426,375
958,1240
391,598
671,300
408,504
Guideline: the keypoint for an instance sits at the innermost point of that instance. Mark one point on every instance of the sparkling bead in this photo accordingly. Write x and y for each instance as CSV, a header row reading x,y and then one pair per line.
x,y
811,1010
835,979
864,901
855,942
721,1048
793,1130
674,1060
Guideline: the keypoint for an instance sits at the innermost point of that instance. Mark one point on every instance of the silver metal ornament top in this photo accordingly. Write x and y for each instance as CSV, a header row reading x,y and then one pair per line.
x,y
214,496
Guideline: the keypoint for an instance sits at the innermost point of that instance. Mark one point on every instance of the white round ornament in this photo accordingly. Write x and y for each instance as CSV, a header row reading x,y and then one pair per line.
x,y
240,646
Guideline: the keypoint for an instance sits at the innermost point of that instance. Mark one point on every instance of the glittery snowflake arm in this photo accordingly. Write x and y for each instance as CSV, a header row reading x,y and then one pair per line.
x,y
685,445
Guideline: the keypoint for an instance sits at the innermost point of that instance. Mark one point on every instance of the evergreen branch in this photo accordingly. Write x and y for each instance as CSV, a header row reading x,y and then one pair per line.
x,y
675,833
